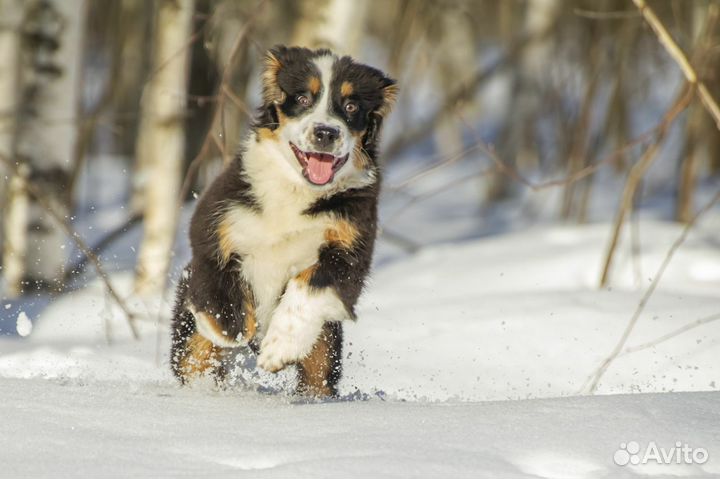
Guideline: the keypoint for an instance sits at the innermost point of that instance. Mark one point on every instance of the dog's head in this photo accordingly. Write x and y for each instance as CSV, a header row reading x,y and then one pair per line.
x,y
324,113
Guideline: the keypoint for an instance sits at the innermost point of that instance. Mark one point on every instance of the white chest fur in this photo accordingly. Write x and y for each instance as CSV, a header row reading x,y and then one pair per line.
x,y
274,245
277,242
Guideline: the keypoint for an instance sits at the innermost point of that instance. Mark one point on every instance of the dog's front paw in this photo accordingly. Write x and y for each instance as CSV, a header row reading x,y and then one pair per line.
x,y
280,348
296,325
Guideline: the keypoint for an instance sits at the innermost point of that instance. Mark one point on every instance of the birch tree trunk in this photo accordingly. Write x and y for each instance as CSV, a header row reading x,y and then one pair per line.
x,y
161,141
13,248
43,138
334,24
540,17
134,21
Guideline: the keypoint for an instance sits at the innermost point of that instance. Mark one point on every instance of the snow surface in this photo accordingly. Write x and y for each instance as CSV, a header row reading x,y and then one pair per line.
x,y
78,429
445,338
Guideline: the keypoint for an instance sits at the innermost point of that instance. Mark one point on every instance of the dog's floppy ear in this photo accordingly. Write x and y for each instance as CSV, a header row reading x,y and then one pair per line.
x,y
274,59
370,138
389,95
389,92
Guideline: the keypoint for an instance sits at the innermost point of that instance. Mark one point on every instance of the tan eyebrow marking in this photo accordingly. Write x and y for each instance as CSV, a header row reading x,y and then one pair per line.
x,y
314,85
346,89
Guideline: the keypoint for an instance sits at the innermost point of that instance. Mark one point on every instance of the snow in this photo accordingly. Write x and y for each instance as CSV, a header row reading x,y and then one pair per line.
x,y
467,359
121,429
520,316
23,324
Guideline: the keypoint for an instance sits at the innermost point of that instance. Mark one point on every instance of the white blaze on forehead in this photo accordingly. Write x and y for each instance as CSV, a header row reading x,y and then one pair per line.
x,y
321,113
299,130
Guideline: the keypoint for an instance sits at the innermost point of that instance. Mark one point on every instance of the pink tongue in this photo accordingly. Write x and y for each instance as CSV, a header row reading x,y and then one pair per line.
x,y
319,171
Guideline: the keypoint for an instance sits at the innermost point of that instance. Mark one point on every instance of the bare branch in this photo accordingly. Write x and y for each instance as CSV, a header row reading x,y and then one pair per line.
x,y
634,177
609,15
667,120
594,378
79,242
670,335
460,94
680,58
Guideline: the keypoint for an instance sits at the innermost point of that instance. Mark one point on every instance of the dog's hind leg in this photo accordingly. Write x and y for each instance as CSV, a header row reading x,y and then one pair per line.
x,y
192,355
319,373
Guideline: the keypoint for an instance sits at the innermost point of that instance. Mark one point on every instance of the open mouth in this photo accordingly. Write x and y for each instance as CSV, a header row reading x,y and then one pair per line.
x,y
318,168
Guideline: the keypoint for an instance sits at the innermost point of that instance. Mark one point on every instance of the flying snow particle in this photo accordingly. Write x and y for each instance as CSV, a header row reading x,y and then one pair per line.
x,y
23,325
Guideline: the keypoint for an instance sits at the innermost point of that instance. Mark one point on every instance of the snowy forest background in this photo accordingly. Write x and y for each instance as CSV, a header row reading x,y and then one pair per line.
x,y
549,218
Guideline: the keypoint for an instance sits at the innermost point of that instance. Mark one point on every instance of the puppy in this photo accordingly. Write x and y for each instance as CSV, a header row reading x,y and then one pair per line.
x,y
282,240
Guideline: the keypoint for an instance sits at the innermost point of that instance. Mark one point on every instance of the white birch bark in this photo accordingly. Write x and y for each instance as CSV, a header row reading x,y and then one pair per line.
x,y
50,144
161,141
334,24
43,136
13,247
15,219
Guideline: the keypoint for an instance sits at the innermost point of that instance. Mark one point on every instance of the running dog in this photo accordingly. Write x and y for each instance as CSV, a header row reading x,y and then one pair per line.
x,y
282,240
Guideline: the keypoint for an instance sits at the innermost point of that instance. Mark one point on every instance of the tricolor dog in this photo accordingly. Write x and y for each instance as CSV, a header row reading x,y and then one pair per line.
x,y
282,240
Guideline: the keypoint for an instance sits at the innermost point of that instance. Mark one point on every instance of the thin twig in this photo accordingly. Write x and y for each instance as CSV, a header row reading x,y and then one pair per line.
x,y
610,15
680,58
634,177
432,168
78,268
635,243
193,38
211,137
670,335
460,94
79,243
415,199
594,378
504,168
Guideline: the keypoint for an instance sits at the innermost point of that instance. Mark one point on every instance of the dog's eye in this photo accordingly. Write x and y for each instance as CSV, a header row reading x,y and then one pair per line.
x,y
351,107
303,100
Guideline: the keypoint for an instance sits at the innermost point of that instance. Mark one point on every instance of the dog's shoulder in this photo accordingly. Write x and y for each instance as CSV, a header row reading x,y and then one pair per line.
x,y
230,189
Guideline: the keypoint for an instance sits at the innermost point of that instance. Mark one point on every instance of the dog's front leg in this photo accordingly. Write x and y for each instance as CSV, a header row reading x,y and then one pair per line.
x,y
298,321
305,327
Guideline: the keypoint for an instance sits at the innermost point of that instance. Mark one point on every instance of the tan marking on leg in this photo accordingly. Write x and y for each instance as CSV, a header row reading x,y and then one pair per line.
x,y
314,85
250,323
314,370
342,233
201,356
209,320
225,243
346,89
306,275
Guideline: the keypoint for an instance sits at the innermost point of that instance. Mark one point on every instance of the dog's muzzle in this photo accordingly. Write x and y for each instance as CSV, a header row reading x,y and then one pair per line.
x,y
318,168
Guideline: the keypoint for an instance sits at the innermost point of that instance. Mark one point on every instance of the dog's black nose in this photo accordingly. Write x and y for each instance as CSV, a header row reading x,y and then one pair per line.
x,y
325,135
